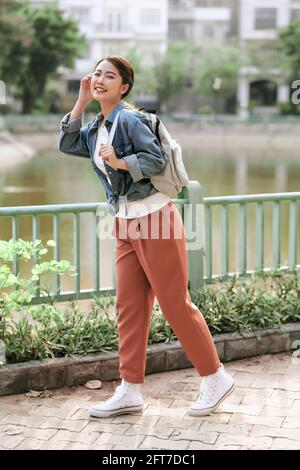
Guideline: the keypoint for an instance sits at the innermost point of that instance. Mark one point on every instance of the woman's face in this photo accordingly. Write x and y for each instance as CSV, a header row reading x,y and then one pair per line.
x,y
106,83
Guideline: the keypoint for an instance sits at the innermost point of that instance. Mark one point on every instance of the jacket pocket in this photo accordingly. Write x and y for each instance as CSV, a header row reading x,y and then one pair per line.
x,y
123,150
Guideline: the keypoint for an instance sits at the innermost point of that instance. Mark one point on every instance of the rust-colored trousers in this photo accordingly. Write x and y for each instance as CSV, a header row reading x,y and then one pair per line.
x,y
151,261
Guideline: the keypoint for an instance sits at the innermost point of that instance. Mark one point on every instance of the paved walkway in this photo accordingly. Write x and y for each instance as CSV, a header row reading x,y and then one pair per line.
x,y
262,413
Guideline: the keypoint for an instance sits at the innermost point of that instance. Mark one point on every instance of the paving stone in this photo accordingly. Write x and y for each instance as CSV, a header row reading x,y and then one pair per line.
x,y
253,410
41,434
101,426
285,394
179,423
244,379
290,384
250,442
162,444
272,401
262,413
77,446
196,445
291,423
205,437
57,423
259,430
84,438
153,411
53,445
273,421
30,443
285,444
267,380
11,442
135,419
161,432
239,430
132,442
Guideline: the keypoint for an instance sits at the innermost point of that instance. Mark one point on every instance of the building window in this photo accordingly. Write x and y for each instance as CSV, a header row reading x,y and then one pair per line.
x,y
295,14
116,21
179,30
73,86
265,18
208,30
150,17
87,52
211,3
80,14
179,4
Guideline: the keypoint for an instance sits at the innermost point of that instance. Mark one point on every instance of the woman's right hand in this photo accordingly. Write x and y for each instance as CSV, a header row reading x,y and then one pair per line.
x,y
85,94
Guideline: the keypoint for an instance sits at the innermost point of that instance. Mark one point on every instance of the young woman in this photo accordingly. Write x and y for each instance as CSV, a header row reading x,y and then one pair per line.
x,y
151,258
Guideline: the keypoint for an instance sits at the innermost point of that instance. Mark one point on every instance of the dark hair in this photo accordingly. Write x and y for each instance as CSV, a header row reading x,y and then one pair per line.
x,y
125,70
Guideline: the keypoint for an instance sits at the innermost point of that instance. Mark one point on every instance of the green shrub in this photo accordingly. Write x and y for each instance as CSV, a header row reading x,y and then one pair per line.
x,y
16,293
205,109
265,300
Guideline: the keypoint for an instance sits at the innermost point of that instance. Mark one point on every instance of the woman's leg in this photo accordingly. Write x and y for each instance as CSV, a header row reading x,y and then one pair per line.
x,y
165,263
134,302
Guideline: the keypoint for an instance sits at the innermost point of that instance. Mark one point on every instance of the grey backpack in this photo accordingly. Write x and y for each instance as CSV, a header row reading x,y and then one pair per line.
x,y
174,176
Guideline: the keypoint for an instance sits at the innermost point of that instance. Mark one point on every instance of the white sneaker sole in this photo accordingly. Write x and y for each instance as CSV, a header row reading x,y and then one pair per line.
x,y
119,411
207,411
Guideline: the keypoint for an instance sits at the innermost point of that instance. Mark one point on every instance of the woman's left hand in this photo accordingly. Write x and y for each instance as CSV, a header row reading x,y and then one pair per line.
x,y
107,152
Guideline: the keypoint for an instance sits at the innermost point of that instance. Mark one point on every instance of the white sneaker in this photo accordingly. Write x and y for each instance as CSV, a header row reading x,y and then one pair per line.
x,y
126,399
214,389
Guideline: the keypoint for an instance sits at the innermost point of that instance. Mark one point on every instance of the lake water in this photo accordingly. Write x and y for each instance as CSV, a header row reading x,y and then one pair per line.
x,y
54,178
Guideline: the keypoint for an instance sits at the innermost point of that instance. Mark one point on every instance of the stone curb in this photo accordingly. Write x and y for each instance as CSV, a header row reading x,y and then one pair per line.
x,y
59,372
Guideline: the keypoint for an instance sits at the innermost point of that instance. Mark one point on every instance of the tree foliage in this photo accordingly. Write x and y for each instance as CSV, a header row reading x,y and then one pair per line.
x,y
36,42
216,68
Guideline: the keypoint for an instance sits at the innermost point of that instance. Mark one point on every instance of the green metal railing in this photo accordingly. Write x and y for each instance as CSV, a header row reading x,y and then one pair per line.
x,y
208,243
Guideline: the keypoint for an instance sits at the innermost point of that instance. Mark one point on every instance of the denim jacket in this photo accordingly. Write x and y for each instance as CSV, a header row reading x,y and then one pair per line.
x,y
133,141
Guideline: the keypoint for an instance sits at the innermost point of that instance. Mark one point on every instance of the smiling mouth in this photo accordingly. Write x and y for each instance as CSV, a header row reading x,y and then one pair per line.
x,y
100,90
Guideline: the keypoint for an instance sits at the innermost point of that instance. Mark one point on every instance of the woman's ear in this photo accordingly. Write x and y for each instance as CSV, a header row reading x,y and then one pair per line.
x,y
126,85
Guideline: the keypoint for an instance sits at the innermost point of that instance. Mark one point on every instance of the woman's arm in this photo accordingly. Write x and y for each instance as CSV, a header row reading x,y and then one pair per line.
x,y
148,158
72,138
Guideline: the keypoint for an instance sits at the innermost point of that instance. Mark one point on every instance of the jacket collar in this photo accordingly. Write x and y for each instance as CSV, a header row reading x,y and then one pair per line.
x,y
110,118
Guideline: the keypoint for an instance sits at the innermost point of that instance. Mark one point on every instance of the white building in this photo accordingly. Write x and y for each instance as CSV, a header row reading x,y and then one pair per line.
x,y
259,20
197,19
115,26
111,28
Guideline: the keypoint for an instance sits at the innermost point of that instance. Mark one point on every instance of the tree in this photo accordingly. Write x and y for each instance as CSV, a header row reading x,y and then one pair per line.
x,y
170,70
15,36
288,44
51,41
216,69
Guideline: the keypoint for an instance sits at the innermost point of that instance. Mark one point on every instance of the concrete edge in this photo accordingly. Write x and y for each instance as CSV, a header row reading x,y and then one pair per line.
x,y
70,371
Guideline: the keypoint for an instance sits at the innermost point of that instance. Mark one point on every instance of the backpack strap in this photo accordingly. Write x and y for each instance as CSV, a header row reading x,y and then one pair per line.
x,y
154,121
148,110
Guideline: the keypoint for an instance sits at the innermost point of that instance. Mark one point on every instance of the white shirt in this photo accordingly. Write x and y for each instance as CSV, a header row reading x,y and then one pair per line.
x,y
102,138
137,208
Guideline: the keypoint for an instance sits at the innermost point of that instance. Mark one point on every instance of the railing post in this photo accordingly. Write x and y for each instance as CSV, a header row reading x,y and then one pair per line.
x,y
193,219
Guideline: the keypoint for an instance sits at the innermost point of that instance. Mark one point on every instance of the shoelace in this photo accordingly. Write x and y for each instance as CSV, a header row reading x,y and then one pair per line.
x,y
120,391
207,389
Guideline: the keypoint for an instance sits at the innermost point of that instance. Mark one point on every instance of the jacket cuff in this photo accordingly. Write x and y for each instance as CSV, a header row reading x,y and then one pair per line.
x,y
71,126
134,167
